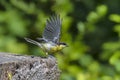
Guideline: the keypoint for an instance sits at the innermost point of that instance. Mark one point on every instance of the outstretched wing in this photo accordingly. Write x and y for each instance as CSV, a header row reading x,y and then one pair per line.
x,y
52,29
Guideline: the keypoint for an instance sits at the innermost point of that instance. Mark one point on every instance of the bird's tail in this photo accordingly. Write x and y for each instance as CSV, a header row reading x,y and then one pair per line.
x,y
32,41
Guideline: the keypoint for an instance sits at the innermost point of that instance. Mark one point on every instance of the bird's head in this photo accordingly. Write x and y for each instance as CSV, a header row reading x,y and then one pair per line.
x,y
63,45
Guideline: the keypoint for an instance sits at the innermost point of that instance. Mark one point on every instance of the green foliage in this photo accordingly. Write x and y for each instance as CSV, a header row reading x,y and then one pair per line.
x,y
90,28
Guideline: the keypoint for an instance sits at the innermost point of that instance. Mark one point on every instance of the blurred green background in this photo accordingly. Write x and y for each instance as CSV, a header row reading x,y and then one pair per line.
x,y
91,28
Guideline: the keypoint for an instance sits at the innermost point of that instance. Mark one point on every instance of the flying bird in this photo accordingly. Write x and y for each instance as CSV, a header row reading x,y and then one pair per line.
x,y
50,41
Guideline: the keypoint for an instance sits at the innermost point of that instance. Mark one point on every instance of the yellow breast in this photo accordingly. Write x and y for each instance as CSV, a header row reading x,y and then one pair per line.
x,y
56,48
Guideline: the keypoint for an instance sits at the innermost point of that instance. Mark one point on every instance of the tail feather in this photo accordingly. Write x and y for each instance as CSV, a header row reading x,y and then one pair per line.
x,y
32,41
41,39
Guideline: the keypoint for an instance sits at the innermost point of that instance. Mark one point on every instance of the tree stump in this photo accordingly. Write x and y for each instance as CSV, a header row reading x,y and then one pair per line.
x,y
18,67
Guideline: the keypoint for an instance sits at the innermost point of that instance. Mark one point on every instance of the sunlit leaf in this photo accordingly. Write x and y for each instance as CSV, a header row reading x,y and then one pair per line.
x,y
115,18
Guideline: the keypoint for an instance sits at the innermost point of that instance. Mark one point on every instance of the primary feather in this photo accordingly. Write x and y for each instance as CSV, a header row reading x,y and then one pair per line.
x,y
52,29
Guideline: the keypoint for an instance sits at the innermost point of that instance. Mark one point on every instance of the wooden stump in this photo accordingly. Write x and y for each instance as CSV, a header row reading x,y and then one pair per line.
x,y
17,67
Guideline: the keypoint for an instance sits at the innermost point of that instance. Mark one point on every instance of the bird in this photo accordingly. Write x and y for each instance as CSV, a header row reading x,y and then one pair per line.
x,y
50,41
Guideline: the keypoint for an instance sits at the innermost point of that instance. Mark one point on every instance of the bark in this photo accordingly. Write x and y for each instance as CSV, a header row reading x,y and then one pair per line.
x,y
18,67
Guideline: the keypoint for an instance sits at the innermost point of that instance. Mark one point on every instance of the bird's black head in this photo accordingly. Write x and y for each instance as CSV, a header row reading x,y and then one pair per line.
x,y
63,44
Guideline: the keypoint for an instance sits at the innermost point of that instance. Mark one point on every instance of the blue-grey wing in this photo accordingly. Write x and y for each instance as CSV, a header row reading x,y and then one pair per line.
x,y
52,29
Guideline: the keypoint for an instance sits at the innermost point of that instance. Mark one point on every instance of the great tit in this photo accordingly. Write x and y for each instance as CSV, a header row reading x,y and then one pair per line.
x,y
50,41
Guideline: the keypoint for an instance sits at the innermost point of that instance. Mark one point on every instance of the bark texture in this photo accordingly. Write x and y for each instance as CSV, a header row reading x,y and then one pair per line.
x,y
18,67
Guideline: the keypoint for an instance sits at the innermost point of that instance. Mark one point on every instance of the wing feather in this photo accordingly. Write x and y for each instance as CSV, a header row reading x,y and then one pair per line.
x,y
52,29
